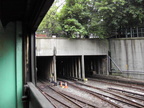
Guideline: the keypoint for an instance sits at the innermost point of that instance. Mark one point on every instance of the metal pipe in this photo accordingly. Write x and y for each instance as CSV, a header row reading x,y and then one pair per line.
x,y
115,63
125,72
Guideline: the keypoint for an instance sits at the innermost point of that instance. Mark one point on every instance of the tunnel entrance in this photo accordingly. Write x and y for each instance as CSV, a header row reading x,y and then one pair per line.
x,y
44,67
95,65
68,67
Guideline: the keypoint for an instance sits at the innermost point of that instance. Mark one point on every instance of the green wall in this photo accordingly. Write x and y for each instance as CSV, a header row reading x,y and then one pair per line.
x,y
11,66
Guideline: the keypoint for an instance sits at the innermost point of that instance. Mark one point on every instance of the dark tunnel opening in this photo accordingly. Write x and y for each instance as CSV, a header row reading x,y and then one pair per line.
x,y
95,65
44,66
70,67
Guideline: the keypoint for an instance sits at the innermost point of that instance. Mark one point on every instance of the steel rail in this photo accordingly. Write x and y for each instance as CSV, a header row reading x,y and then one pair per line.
x,y
47,97
122,93
64,95
126,91
98,95
118,96
61,93
55,99
124,85
127,101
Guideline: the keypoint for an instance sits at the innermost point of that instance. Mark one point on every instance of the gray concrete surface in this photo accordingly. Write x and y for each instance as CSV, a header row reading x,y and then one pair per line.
x,y
126,53
60,47
129,56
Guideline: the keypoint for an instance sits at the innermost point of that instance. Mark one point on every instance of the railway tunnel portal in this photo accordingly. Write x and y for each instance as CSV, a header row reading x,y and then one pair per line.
x,y
80,58
71,58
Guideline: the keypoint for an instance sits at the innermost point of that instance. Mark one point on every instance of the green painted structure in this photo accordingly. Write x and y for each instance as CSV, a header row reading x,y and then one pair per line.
x,y
11,66
19,20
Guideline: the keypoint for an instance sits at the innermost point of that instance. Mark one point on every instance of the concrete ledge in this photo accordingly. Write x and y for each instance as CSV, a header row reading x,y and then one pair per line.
x,y
37,100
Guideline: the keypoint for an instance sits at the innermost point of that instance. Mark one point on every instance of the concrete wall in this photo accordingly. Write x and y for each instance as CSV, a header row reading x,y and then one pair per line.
x,y
128,54
47,47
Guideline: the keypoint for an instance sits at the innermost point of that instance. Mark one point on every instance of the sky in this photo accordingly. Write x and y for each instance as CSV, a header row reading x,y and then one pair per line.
x,y
60,3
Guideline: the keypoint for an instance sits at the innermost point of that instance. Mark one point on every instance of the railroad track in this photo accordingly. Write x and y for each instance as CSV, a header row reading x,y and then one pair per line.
x,y
130,85
73,101
119,80
134,95
55,102
114,96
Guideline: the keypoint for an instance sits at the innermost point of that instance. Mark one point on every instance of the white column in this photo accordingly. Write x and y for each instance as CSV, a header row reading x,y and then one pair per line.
x,y
79,68
76,72
54,68
83,67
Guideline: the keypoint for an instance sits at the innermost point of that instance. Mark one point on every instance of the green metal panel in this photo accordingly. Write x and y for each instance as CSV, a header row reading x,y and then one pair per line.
x,y
19,64
10,68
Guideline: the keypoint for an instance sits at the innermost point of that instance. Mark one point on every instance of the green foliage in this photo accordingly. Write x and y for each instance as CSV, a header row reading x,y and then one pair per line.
x,y
118,14
97,17
74,17
50,22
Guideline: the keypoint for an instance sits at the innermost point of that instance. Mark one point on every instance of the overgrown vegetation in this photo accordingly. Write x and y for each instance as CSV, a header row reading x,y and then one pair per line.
x,y
98,17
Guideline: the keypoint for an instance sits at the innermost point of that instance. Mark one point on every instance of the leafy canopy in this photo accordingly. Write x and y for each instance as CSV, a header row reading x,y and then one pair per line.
x,y
118,14
97,17
50,23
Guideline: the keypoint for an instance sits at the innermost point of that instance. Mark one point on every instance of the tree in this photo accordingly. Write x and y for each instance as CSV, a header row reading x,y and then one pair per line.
x,y
74,17
50,23
100,17
114,15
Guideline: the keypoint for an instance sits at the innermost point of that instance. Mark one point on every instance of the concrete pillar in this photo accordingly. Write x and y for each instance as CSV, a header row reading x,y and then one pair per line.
x,y
73,70
79,68
51,70
70,69
48,70
54,68
64,69
95,66
67,70
91,65
83,67
99,63
108,65
76,72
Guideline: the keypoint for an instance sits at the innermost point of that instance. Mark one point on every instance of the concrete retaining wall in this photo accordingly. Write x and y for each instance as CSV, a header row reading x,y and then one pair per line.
x,y
47,47
128,54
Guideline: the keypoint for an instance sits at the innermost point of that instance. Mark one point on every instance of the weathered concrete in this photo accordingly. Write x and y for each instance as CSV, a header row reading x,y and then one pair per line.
x,y
72,48
83,67
128,55
46,47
